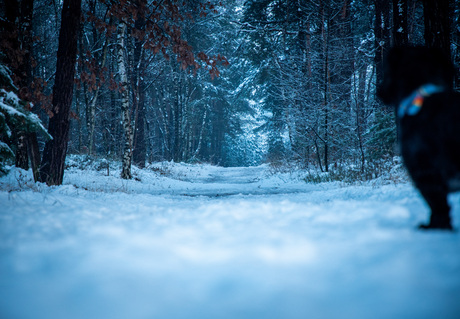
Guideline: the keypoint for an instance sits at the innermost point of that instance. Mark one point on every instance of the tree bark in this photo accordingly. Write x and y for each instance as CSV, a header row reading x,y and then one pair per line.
x,y
125,110
52,166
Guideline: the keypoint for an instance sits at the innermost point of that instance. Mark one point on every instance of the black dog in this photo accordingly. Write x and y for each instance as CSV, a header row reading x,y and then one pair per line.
x,y
418,82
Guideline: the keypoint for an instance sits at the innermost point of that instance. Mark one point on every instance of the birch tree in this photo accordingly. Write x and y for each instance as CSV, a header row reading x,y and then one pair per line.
x,y
125,105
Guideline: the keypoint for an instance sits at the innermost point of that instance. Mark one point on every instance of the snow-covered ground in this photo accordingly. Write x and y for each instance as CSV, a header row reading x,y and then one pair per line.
x,y
182,241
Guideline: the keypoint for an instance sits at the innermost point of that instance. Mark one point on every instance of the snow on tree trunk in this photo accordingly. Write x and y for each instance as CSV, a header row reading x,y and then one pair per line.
x,y
200,138
400,28
52,167
126,118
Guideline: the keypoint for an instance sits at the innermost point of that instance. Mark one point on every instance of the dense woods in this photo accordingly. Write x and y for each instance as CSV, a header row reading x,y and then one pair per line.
x,y
226,82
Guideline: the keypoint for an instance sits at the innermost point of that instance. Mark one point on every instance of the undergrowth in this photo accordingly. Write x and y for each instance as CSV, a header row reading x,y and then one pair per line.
x,y
388,171
383,171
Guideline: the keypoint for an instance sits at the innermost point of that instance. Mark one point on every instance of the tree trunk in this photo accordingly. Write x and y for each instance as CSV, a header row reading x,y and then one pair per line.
x,y
17,31
177,114
91,114
22,159
139,154
139,151
9,32
325,35
400,31
360,114
52,166
125,110
27,10
34,154
200,137
382,35
26,39
437,25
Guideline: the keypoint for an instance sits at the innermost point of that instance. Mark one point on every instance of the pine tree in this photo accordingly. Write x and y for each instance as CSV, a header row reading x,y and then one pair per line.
x,y
16,119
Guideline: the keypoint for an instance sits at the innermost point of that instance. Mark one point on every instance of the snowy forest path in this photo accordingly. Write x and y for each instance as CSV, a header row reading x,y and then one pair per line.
x,y
230,175
223,243
217,181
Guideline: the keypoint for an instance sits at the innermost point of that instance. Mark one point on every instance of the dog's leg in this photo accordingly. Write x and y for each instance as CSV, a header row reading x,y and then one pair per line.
x,y
436,196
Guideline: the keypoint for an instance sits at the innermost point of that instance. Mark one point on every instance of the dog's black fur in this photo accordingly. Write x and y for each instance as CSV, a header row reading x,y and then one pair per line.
x,y
429,140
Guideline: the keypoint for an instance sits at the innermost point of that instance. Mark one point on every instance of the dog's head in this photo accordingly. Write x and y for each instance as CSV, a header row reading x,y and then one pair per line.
x,y
407,69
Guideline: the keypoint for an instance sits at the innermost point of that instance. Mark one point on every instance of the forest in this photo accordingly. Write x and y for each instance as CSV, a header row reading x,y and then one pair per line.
x,y
215,159
230,83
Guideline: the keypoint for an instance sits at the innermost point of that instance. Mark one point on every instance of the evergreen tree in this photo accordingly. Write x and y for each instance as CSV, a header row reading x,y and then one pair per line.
x,y
16,119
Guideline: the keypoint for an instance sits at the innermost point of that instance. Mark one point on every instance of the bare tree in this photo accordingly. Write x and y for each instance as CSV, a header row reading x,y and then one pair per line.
x,y
52,166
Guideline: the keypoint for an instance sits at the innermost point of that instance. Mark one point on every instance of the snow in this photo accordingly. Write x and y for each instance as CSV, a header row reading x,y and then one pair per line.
x,y
10,105
5,149
183,241
10,98
5,77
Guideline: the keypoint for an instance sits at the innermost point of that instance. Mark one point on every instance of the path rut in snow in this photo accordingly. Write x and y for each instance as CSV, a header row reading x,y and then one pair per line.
x,y
230,175
225,181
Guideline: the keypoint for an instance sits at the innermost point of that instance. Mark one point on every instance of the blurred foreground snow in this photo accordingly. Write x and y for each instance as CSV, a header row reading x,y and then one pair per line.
x,y
186,241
